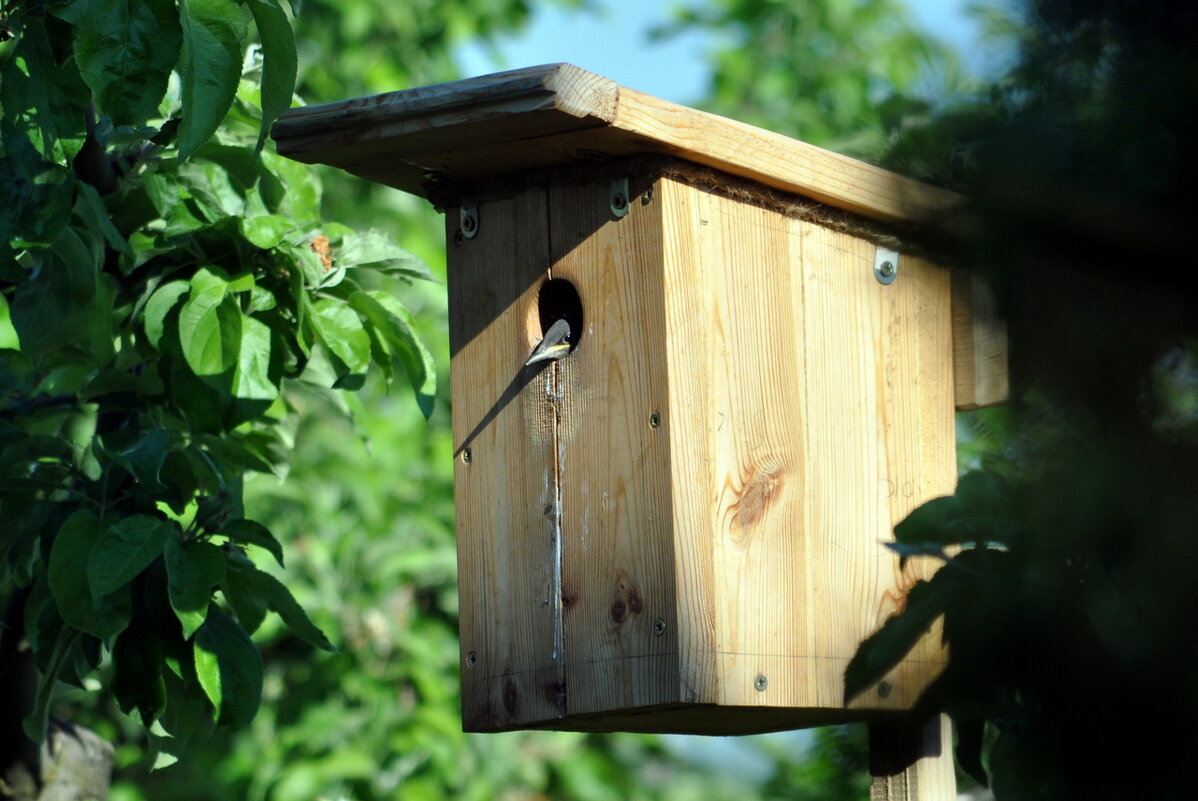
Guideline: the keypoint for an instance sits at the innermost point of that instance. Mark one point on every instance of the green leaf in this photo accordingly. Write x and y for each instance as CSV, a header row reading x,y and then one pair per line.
x,y
886,647
193,570
970,740
210,331
279,66
250,607
91,208
267,230
8,334
298,196
396,329
68,566
143,458
979,512
162,191
213,33
126,50
229,668
74,11
248,532
137,671
123,550
35,725
186,705
341,331
53,309
378,248
214,187
69,580
252,380
55,91
159,305
280,600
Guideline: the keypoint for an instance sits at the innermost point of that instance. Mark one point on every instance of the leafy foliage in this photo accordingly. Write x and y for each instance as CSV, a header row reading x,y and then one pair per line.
x,y
166,287
1067,613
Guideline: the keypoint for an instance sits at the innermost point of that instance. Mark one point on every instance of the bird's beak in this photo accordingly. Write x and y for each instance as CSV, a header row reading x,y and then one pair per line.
x,y
554,346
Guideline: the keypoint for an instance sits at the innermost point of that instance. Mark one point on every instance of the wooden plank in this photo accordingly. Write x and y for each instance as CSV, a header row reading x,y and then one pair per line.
x,y
503,472
912,760
735,301
812,411
979,344
881,441
499,123
620,631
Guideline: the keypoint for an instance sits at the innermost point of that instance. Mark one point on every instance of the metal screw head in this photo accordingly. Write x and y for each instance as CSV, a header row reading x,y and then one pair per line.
x,y
466,456
655,420
659,627
884,689
647,196
617,197
760,683
886,265
471,659
468,221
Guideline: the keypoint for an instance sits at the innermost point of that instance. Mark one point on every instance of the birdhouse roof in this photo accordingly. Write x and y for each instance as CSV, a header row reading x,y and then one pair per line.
x,y
557,115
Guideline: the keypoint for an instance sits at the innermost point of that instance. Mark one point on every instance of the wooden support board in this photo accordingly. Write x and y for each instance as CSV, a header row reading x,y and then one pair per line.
x,y
912,760
687,525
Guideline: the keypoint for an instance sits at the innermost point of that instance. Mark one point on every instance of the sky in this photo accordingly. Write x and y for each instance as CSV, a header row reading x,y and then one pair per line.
x,y
614,42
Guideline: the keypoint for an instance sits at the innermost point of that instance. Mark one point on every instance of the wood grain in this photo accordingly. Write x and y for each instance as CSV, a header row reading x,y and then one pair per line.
x,y
558,113
618,559
812,411
504,487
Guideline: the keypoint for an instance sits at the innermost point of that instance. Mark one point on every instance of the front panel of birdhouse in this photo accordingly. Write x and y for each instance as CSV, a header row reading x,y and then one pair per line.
x,y
680,525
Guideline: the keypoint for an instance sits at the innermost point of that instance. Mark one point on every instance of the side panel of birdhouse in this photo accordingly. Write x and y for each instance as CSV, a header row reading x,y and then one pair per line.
x,y
505,489
617,563
811,409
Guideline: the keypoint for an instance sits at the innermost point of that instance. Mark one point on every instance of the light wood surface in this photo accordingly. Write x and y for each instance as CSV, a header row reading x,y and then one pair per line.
x,y
715,572
812,411
557,114
621,633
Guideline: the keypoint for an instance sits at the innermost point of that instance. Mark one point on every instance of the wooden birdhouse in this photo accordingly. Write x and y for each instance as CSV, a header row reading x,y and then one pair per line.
x,y
679,525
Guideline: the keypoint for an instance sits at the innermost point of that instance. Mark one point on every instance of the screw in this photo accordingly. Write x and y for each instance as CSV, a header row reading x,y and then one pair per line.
x,y
618,201
468,225
647,197
655,420
887,269
761,682
884,689
659,627
466,456
471,659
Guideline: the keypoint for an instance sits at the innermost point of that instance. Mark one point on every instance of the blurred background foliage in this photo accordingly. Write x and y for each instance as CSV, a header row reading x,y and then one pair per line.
x,y
841,74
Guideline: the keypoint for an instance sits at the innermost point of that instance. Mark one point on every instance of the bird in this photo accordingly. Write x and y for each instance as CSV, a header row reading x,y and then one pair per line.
x,y
554,346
